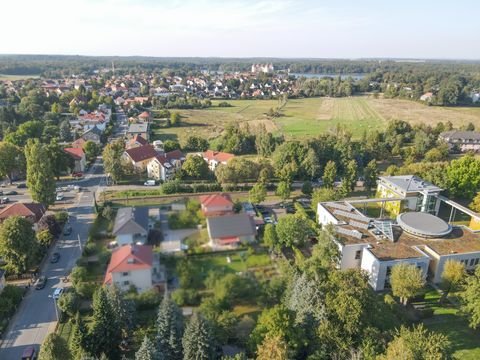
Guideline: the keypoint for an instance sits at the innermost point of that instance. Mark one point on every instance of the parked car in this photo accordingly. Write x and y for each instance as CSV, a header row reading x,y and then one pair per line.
x,y
268,220
59,197
149,183
4,200
77,174
12,192
57,293
41,282
21,186
67,231
55,257
30,353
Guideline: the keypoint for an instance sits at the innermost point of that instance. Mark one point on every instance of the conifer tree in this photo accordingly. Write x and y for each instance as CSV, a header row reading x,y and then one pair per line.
x,y
147,351
169,330
197,340
105,330
79,343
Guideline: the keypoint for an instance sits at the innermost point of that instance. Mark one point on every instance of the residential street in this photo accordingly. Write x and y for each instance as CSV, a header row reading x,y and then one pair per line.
x,y
36,316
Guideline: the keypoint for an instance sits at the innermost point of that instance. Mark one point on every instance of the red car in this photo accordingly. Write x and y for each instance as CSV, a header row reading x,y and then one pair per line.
x,y
77,174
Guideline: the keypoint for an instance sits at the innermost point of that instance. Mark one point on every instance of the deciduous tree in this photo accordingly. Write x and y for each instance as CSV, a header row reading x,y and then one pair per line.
x,y
329,174
12,160
272,348
257,193
54,347
17,244
471,300
283,190
112,160
452,276
293,229
406,281
463,177
370,174
195,167
40,173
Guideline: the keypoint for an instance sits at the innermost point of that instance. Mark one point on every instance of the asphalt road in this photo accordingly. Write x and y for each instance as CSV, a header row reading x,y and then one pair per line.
x,y
36,317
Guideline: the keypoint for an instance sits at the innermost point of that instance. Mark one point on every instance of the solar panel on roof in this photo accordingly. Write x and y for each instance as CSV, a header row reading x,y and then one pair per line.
x,y
355,233
358,224
352,216
339,206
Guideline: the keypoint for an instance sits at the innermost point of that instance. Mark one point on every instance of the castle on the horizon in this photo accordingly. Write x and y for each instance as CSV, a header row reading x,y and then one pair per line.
x,y
262,68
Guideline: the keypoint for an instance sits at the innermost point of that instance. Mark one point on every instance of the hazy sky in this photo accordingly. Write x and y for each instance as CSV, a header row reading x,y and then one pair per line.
x,y
243,28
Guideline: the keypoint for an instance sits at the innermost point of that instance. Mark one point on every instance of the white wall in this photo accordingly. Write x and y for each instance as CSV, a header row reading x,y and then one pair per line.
x,y
378,269
125,239
348,253
141,279
324,216
438,262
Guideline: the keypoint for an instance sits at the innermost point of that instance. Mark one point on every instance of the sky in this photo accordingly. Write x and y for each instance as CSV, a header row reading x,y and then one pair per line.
x,y
243,28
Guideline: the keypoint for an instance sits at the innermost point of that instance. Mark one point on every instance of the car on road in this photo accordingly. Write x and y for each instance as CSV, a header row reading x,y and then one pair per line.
x,y
59,197
57,293
41,282
55,257
67,231
268,220
12,192
149,183
4,200
77,174
21,186
30,353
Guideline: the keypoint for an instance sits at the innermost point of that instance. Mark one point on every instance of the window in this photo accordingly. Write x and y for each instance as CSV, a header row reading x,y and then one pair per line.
x,y
126,273
358,254
472,262
126,283
477,260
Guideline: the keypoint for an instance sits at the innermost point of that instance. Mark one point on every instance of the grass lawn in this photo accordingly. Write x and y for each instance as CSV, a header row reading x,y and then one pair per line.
x,y
65,330
448,321
312,116
219,262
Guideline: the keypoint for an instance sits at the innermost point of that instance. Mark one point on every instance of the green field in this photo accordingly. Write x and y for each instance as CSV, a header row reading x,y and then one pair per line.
x,y
4,77
313,116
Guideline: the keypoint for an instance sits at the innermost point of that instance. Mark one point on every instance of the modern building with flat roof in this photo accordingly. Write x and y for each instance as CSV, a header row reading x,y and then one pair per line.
x,y
417,237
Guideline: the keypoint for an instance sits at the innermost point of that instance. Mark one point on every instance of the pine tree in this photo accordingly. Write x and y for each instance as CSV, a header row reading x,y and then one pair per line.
x,y
197,340
147,351
79,343
105,328
169,330
54,347
122,309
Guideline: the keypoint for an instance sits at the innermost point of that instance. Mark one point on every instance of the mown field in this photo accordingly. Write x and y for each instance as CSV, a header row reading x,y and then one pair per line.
x,y
4,77
311,117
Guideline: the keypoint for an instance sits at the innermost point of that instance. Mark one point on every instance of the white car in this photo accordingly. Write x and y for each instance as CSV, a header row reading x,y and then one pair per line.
x,y
268,220
59,197
149,183
57,293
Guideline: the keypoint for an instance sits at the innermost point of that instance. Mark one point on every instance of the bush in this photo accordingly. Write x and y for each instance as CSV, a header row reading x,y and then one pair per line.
x,y
10,298
68,303
147,300
186,297
90,249
61,217
86,289
79,274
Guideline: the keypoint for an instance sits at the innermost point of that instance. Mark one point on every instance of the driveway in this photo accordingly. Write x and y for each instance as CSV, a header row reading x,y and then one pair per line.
x,y
172,239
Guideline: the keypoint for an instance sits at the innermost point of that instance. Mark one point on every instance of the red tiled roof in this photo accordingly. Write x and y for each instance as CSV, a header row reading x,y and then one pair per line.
x,y
79,143
141,153
174,155
76,153
138,139
144,115
228,240
129,258
216,200
23,210
217,155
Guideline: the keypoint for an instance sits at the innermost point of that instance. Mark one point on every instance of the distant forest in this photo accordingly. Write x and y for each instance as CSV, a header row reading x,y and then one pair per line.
x,y
59,65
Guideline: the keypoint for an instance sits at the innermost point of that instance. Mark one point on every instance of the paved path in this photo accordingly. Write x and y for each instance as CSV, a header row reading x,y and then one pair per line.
x,y
36,317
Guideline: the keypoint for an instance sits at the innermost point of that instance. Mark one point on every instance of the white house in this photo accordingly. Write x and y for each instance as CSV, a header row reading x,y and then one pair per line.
x,y
131,226
215,158
134,266
165,165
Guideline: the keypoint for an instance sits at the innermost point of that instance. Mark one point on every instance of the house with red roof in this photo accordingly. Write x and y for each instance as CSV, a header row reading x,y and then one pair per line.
x,y
136,141
215,158
140,156
134,266
33,212
216,204
78,157
144,116
165,165
79,143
